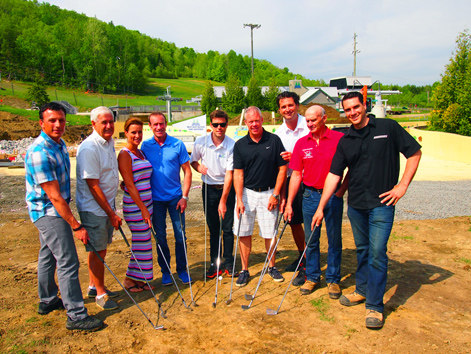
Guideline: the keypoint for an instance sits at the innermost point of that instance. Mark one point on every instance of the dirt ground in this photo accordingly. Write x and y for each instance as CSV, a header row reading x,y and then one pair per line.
x,y
427,298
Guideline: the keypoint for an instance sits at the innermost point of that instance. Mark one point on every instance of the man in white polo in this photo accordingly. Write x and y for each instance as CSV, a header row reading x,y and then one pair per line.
x,y
97,184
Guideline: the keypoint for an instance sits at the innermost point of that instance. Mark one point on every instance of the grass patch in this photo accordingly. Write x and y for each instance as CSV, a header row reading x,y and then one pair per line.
x,y
394,236
322,305
465,260
72,119
32,320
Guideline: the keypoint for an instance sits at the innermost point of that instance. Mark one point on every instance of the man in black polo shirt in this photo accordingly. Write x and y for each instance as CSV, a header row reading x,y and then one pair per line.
x,y
370,150
259,174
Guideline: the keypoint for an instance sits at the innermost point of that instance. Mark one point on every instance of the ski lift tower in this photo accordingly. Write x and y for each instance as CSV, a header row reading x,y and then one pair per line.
x,y
168,97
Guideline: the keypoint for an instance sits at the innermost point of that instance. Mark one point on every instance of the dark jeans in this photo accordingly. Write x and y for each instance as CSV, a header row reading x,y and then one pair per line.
x,y
160,227
371,229
333,222
212,218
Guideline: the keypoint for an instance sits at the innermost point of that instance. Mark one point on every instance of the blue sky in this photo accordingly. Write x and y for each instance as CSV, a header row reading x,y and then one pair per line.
x,y
401,42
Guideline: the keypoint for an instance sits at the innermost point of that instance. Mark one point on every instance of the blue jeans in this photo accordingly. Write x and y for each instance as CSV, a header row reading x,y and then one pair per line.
x,y
333,221
160,227
371,229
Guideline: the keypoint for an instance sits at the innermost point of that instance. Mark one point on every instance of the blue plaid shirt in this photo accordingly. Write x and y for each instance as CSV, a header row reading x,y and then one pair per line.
x,y
46,161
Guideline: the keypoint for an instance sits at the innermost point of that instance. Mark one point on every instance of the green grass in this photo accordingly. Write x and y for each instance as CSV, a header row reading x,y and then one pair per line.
x,y
322,305
465,260
72,119
409,119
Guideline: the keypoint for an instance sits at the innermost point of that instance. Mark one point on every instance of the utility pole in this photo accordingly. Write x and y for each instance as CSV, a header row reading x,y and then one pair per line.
x,y
252,26
168,97
355,51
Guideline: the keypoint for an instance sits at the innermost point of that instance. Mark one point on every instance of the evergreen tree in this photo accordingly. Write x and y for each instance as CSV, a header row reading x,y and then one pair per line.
x,y
209,102
233,98
452,97
270,96
254,95
37,92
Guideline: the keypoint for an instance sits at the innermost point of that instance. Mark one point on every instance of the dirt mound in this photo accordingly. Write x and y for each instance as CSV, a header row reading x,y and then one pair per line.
x,y
15,127
333,117
14,102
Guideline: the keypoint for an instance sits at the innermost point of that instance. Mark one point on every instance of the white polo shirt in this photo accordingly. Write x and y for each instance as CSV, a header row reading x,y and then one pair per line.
x,y
96,159
290,137
218,159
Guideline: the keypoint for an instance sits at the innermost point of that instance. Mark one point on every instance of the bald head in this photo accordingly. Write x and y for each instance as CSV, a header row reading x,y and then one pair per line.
x,y
315,120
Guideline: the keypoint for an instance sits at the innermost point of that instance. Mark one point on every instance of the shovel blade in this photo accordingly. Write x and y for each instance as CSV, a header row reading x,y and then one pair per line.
x,y
248,297
245,307
228,302
159,327
271,312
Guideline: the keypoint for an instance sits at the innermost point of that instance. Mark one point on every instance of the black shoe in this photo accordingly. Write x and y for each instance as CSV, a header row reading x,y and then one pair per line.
x,y
243,278
292,266
89,323
228,272
213,271
275,274
44,309
300,278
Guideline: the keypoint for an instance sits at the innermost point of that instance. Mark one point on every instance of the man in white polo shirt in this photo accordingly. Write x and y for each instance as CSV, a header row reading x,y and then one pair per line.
x,y
97,184
215,151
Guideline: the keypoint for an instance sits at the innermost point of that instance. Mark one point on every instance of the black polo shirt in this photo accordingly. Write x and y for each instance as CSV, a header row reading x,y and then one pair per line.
x,y
260,161
372,157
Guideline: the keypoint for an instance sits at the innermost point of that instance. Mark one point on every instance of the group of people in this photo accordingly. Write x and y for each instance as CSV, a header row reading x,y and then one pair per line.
x,y
296,173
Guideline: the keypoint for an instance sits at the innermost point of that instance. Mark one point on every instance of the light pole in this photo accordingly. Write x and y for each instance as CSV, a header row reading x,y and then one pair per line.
x,y
355,52
252,26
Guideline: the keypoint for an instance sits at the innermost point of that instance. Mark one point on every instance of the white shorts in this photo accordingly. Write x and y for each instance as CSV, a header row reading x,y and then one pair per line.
x,y
256,204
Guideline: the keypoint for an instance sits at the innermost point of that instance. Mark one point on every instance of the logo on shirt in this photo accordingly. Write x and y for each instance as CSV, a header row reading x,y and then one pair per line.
x,y
268,147
380,137
222,155
307,153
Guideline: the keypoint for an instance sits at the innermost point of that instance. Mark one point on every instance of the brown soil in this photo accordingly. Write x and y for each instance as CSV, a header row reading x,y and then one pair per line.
x,y
15,127
427,297
333,117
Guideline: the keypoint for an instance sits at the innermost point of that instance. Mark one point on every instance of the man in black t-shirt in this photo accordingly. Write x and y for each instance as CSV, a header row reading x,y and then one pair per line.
x,y
259,174
370,150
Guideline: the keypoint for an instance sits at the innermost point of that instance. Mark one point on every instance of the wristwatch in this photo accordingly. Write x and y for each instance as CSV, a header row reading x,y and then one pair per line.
x,y
277,197
186,198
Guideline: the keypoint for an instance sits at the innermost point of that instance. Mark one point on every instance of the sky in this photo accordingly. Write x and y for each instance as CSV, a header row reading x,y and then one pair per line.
x,y
400,42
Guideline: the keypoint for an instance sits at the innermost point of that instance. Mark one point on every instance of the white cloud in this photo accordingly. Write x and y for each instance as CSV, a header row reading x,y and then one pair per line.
x,y
400,41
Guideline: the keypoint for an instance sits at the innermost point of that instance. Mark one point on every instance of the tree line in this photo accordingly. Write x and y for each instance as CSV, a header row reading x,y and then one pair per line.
x,y
72,50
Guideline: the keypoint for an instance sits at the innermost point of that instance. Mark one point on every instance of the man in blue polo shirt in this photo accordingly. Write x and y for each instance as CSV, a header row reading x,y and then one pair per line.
x,y
48,197
167,155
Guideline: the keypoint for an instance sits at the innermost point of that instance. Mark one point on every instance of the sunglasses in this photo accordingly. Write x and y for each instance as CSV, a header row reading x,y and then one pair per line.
x,y
216,125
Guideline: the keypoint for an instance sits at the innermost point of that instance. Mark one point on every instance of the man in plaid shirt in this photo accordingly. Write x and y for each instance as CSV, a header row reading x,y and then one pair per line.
x,y
48,196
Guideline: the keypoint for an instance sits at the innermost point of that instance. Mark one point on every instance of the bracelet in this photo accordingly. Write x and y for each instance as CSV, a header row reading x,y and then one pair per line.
x,y
79,228
186,198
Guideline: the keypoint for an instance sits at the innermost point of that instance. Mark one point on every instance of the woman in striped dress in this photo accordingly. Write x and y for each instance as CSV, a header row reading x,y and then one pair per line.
x,y
136,171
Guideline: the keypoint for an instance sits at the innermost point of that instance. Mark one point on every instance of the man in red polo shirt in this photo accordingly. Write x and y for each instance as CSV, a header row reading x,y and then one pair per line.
x,y
310,162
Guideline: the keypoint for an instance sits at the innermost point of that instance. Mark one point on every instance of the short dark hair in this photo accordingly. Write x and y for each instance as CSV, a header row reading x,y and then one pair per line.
x,y
351,95
218,114
130,121
52,106
287,94
158,113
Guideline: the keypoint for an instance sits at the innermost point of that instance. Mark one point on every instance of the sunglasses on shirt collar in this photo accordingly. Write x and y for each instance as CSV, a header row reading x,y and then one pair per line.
x,y
216,125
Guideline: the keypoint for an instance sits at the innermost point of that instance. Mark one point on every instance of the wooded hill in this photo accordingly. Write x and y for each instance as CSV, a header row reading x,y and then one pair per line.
x,y
73,50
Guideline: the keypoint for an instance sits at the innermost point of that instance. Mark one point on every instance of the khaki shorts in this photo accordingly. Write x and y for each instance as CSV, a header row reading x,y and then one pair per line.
x,y
99,230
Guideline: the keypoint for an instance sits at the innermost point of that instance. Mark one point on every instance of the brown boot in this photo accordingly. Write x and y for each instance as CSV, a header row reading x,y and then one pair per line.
x,y
352,299
334,291
374,319
308,287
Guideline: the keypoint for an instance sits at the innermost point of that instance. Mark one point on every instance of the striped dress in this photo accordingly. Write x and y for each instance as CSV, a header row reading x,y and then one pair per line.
x,y
141,235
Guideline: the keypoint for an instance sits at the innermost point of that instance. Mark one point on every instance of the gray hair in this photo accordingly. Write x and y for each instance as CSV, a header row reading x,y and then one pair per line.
x,y
96,112
253,109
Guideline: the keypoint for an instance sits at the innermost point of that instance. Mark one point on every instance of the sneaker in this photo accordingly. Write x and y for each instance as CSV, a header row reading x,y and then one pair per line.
x,y
88,323
374,319
352,299
213,271
228,272
334,290
300,278
166,279
275,274
243,278
106,303
292,266
184,278
44,308
308,287
92,293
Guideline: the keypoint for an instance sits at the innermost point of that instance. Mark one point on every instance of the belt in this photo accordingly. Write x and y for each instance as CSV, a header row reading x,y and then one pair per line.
x,y
313,189
261,189
215,186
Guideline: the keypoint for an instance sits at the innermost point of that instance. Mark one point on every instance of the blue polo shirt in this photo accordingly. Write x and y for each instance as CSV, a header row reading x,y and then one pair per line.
x,y
46,161
166,161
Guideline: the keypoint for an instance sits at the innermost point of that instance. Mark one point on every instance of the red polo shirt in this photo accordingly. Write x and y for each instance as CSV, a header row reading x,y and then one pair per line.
x,y
312,159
